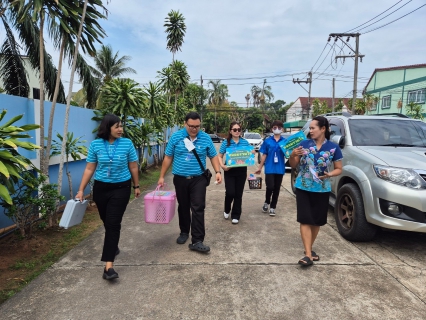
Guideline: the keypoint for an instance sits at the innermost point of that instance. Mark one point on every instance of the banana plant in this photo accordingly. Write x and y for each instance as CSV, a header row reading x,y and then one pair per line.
x,y
73,148
12,164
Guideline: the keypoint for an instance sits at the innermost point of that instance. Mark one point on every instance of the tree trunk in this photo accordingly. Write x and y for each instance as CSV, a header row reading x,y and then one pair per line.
x,y
44,170
67,112
52,110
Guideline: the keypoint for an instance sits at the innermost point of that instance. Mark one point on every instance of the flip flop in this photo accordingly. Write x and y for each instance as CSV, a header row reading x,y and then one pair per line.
x,y
305,261
315,257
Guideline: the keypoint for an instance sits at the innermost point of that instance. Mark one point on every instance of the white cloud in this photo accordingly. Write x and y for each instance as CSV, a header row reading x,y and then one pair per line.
x,y
239,38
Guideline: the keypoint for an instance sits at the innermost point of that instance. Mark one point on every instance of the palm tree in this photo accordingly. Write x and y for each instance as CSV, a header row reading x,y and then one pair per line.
x,y
414,110
247,97
110,65
166,81
155,101
175,29
180,78
64,39
124,98
217,96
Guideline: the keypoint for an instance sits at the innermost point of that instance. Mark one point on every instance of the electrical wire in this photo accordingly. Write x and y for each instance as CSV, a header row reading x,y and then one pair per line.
x,y
384,16
319,56
373,18
394,20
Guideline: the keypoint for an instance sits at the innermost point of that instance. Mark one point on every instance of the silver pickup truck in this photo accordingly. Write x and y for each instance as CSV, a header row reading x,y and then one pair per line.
x,y
383,181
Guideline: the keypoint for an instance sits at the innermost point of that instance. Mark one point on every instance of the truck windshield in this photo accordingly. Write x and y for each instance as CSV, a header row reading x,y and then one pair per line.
x,y
387,132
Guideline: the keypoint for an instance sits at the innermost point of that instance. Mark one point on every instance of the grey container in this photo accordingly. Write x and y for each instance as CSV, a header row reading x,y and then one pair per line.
x,y
73,213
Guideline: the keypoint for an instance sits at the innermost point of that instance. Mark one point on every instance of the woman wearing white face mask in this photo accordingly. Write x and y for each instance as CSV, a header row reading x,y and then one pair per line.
x,y
274,161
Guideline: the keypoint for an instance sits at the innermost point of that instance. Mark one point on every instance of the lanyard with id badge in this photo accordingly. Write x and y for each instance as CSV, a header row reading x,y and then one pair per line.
x,y
111,156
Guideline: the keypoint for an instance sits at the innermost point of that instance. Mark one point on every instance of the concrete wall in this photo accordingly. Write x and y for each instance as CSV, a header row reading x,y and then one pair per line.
x,y
80,124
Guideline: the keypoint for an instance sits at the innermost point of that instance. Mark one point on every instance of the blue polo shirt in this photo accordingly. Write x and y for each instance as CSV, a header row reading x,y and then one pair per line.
x,y
241,143
112,159
272,149
184,161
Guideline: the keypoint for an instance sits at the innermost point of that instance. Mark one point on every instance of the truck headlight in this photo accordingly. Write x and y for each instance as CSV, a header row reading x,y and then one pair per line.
x,y
405,177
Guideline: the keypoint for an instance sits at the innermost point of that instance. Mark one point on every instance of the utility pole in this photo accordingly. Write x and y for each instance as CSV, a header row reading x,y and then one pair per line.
x,y
332,100
201,97
356,55
308,81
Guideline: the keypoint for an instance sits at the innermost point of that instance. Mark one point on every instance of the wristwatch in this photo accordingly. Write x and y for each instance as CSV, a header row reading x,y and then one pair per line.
x,y
135,187
219,172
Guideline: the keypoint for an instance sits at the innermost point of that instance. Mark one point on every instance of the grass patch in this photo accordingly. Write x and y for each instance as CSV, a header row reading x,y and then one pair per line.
x,y
147,179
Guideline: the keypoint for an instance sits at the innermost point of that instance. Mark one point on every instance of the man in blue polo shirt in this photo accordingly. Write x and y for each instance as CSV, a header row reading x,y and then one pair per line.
x,y
189,181
274,161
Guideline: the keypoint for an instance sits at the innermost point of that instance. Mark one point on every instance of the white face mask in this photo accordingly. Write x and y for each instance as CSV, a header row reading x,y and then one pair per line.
x,y
277,131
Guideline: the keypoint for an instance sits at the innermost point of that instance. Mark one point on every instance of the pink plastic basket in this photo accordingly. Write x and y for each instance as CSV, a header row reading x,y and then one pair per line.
x,y
160,206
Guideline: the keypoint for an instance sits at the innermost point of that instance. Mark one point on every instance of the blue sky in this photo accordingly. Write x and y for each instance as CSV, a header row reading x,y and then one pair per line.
x,y
249,39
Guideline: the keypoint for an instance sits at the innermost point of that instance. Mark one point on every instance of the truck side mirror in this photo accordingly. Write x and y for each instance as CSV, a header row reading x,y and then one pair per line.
x,y
339,140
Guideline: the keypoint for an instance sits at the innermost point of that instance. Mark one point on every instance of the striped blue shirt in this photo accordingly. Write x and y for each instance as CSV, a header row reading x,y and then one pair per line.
x,y
241,143
112,165
184,161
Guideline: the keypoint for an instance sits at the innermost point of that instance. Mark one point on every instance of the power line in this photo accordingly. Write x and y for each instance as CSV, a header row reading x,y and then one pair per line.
x,y
394,20
385,16
374,17
319,55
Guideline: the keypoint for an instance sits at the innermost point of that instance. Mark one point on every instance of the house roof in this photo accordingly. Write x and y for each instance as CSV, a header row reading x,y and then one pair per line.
x,y
304,101
412,66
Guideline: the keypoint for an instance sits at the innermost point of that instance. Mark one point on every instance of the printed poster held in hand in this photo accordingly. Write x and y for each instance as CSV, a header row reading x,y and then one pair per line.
x,y
292,142
239,157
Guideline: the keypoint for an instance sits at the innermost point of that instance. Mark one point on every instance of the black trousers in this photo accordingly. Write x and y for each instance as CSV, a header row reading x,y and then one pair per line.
x,y
111,200
191,196
273,186
235,179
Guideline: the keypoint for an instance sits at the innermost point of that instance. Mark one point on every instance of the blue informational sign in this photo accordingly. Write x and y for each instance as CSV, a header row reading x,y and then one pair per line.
x,y
292,142
239,157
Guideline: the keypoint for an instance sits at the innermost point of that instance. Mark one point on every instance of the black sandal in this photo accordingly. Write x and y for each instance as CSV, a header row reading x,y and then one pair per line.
x,y
305,261
199,246
315,257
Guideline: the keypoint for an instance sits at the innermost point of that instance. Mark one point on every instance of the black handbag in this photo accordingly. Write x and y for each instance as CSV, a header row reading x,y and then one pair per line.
x,y
206,172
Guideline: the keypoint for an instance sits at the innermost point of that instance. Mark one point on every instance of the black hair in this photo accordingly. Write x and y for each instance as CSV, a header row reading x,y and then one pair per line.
x,y
107,122
193,116
323,122
233,123
277,123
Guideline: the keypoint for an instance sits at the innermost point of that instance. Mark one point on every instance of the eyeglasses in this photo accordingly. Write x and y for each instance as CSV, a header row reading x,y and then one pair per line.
x,y
193,127
236,130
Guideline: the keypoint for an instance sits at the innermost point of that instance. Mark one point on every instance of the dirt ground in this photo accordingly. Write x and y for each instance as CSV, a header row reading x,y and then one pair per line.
x,y
21,260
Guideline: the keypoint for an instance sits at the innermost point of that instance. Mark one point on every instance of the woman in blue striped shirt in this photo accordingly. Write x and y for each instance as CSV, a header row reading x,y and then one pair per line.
x,y
235,178
114,162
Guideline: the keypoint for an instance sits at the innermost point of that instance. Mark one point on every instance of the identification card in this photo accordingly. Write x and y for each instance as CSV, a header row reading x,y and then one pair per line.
x,y
188,144
275,158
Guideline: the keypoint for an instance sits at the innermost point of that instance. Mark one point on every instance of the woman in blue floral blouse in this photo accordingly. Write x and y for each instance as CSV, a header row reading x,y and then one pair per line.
x,y
316,157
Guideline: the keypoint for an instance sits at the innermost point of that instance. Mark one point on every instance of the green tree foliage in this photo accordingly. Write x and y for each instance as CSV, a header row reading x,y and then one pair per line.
x,y
74,148
12,164
414,110
123,98
27,204
175,29
180,79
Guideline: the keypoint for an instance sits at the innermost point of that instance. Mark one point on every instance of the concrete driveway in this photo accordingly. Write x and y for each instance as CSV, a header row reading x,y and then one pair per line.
x,y
250,273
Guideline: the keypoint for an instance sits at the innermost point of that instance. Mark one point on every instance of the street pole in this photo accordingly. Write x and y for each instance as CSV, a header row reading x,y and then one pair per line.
x,y
355,73
332,101
201,97
356,56
309,94
308,81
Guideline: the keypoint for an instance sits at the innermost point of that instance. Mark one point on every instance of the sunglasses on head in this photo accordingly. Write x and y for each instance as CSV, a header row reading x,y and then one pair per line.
x,y
236,130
